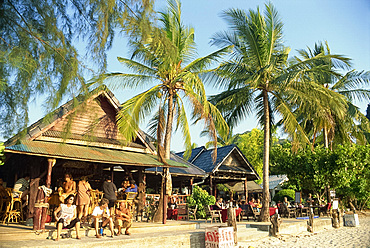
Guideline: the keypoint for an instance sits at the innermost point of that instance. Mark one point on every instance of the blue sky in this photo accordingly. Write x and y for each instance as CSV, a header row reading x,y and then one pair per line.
x,y
344,24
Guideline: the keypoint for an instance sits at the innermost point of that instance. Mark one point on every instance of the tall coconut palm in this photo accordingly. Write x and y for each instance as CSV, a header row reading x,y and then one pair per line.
x,y
259,78
352,85
164,60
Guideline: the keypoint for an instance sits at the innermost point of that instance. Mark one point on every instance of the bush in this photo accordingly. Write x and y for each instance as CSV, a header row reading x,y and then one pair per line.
x,y
201,198
279,196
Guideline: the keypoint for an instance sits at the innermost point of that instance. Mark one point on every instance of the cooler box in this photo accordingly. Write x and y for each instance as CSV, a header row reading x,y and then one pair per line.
x,y
219,237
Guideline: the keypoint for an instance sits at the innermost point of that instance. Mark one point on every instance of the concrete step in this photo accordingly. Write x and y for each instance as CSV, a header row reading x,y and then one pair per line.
x,y
19,232
246,234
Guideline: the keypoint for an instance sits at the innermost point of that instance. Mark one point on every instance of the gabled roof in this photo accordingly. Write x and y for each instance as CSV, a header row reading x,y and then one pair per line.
x,y
93,135
94,125
190,170
203,159
194,153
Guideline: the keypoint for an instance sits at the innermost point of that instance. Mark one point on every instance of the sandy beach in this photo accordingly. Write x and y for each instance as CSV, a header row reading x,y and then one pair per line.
x,y
342,237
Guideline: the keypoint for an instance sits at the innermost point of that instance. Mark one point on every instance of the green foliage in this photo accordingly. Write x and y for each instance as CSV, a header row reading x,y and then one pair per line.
x,y
279,196
201,198
346,169
38,54
251,144
164,60
2,147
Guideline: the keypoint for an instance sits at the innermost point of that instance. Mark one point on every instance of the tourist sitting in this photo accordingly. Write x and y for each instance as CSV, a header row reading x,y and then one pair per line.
x,y
252,203
68,187
101,217
286,202
219,204
123,218
21,187
132,187
258,205
66,217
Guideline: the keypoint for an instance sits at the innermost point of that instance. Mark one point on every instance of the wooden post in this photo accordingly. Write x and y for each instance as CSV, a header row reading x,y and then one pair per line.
x,y
191,185
231,221
211,186
112,172
51,163
246,190
41,205
274,228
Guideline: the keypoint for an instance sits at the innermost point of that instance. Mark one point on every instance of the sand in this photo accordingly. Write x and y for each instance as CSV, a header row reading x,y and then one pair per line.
x,y
358,236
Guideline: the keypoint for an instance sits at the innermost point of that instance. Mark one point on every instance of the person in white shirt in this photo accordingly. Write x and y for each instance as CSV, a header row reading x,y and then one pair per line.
x,y
66,216
102,218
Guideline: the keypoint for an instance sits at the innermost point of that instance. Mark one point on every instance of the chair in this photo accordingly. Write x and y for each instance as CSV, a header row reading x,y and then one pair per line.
x,y
13,212
250,211
214,214
182,211
131,196
192,212
288,212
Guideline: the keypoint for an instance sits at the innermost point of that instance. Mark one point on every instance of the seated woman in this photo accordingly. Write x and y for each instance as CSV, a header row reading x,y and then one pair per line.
x,y
123,218
69,187
66,217
252,203
258,204
101,217
286,202
219,204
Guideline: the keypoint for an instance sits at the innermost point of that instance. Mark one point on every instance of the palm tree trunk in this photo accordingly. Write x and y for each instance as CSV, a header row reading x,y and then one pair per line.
x,y
162,208
168,132
326,141
265,211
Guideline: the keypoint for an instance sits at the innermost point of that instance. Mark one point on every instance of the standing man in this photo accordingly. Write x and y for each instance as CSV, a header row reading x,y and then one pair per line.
x,y
110,192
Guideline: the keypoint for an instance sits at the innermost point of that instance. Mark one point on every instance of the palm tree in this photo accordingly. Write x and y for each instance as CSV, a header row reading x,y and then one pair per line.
x,y
164,58
259,78
334,127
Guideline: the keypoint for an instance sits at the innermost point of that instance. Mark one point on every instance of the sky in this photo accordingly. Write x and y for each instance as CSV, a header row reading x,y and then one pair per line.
x,y
344,24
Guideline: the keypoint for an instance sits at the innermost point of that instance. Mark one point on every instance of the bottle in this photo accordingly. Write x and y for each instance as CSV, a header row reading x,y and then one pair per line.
x,y
101,231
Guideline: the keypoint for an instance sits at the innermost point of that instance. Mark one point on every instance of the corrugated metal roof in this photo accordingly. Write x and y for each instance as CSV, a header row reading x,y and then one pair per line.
x,y
190,170
88,153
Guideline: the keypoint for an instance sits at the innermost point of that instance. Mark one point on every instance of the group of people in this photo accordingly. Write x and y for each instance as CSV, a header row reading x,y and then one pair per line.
x,y
69,215
66,217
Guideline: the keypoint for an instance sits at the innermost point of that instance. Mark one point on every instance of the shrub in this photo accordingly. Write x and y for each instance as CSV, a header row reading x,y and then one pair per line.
x,y
201,198
279,196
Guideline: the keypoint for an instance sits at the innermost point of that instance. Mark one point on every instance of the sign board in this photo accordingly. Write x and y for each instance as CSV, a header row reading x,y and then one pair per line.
x,y
298,197
335,204
219,237
332,193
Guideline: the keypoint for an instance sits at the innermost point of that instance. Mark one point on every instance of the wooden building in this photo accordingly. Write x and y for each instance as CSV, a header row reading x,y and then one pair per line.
x,y
230,166
81,138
